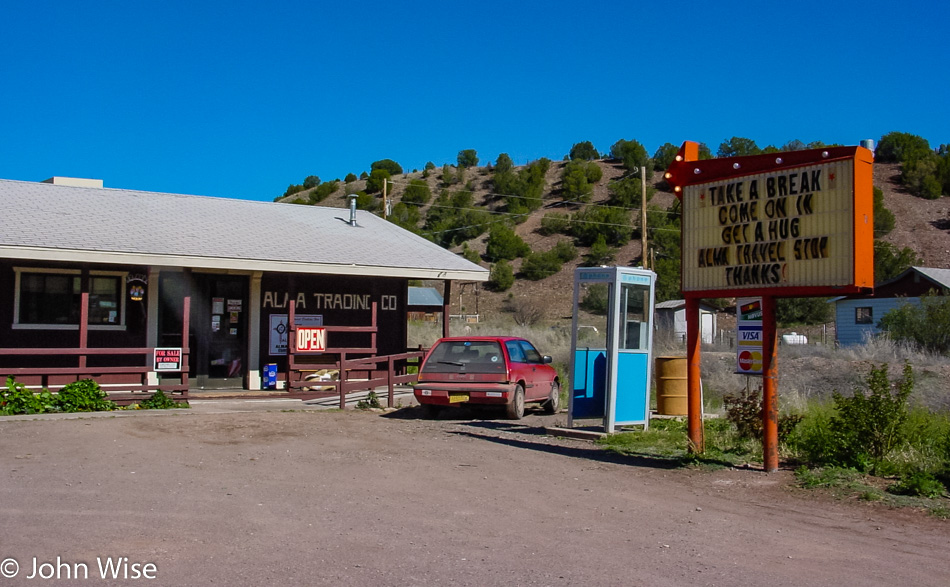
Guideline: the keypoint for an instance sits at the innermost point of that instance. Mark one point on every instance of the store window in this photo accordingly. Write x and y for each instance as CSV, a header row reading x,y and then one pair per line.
x,y
51,299
863,315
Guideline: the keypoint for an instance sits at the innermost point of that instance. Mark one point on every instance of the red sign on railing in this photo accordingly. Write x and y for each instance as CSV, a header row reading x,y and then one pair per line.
x,y
167,359
311,339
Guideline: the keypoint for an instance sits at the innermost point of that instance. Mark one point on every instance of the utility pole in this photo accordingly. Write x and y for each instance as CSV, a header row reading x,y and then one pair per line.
x,y
643,217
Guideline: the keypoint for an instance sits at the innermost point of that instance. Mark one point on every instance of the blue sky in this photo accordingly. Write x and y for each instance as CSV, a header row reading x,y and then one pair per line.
x,y
240,99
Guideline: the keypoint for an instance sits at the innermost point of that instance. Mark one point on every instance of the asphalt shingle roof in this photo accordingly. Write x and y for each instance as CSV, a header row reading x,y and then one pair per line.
x,y
171,229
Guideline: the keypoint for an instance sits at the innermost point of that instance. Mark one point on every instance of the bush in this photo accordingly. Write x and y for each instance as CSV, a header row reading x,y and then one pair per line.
x,y
311,181
374,183
554,223
366,202
564,251
524,312
584,151
537,266
595,299
926,325
83,396
795,311
502,276
388,165
632,155
417,192
918,483
323,191
504,244
470,254
594,221
869,425
18,399
628,192
898,147
503,164
350,178
371,402
406,216
883,218
738,147
599,254
744,411
889,262
160,401
577,179
664,156
467,158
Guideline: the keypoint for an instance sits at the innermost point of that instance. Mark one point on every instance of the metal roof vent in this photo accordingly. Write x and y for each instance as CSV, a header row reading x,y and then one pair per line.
x,y
352,209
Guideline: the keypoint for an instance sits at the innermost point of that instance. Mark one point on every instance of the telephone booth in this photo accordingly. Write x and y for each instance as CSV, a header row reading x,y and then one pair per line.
x,y
611,346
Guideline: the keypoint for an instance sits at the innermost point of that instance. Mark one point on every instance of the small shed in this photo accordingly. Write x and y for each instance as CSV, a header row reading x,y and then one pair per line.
x,y
857,317
425,303
671,318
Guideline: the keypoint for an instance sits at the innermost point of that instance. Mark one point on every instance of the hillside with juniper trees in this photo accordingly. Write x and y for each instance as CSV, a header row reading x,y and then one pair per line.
x,y
533,224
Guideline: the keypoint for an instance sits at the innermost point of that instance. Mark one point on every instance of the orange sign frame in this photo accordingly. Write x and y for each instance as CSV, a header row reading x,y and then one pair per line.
x,y
741,246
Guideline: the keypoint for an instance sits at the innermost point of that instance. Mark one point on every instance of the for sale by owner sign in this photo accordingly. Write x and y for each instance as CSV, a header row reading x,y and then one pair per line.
x,y
167,359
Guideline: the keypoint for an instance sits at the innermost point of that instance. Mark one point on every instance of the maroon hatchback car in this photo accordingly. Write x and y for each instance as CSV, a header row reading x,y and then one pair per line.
x,y
487,370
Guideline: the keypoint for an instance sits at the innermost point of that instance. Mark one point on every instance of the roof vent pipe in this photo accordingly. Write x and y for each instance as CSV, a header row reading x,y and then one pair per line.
x,y
353,210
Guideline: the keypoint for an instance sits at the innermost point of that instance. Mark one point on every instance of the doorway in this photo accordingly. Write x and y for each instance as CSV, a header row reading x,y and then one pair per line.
x,y
218,337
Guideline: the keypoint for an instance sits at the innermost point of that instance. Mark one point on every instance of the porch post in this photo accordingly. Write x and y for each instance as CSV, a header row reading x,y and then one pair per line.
x,y
446,307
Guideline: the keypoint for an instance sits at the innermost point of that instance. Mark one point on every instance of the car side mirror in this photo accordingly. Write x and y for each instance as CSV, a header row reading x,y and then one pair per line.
x,y
546,359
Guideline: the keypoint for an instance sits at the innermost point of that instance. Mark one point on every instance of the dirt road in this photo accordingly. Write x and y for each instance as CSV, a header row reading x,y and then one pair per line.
x,y
320,498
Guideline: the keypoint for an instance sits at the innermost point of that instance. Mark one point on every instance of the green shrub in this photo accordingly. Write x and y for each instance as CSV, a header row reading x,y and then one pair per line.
x,y
926,325
554,223
595,299
160,401
584,150
537,266
502,276
599,254
18,399
869,425
388,165
919,483
371,401
83,396
612,223
417,192
504,244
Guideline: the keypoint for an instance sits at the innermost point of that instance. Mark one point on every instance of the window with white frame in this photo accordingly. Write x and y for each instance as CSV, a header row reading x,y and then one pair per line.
x,y
50,298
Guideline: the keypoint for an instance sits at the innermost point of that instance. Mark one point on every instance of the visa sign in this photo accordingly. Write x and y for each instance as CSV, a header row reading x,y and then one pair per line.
x,y
311,339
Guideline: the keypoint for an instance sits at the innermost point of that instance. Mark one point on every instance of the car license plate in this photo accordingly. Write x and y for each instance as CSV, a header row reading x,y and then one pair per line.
x,y
455,398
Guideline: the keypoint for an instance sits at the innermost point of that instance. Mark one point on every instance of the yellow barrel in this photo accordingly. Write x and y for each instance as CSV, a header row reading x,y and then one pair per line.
x,y
670,376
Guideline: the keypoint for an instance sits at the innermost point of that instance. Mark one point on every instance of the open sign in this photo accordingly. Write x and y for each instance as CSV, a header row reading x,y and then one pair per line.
x,y
311,339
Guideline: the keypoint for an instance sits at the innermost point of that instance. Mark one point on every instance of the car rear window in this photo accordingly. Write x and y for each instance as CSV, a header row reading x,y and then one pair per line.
x,y
466,356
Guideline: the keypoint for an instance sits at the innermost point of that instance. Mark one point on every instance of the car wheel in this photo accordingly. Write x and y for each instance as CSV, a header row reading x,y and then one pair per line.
x,y
429,411
554,400
515,408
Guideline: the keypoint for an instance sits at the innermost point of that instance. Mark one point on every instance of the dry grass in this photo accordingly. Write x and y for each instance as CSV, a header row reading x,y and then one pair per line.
x,y
806,373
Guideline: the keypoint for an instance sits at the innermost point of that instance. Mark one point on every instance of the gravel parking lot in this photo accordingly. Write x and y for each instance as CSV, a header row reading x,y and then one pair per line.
x,y
270,493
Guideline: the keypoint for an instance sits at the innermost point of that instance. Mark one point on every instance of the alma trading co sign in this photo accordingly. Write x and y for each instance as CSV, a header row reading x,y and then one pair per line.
x,y
794,223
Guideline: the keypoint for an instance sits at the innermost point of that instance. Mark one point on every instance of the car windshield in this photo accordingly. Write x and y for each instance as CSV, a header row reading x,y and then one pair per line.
x,y
468,356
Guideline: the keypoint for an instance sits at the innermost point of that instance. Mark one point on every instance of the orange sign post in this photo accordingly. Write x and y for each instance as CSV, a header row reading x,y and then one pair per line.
x,y
791,224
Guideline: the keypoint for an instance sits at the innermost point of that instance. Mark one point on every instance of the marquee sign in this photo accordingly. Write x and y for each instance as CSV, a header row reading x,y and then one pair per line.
x,y
784,224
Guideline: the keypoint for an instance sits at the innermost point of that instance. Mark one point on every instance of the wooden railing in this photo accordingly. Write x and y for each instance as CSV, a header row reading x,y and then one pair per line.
x,y
112,379
355,374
